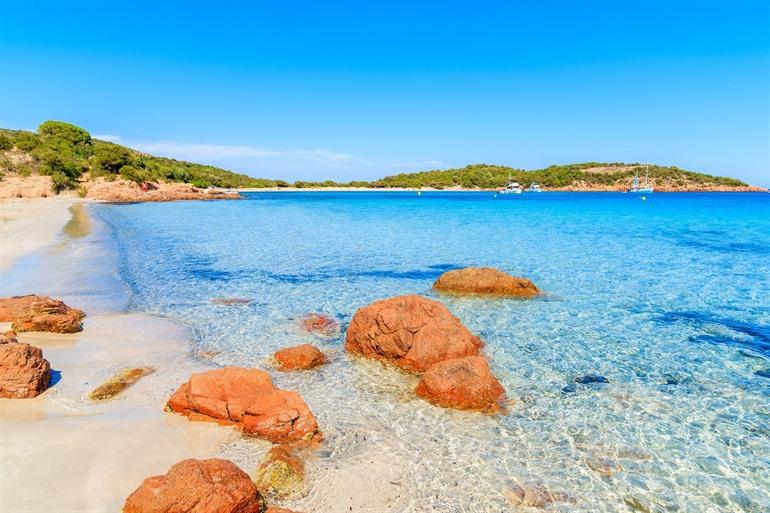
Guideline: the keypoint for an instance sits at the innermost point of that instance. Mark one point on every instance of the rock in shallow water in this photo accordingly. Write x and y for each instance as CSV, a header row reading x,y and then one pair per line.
x,y
197,486
248,398
281,473
485,281
24,373
300,357
320,324
411,331
464,383
40,313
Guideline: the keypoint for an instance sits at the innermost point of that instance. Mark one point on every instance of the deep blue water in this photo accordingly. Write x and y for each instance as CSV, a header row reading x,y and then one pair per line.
x,y
667,299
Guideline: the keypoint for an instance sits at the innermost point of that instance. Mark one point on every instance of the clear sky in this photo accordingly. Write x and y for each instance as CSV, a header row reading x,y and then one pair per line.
x,y
343,90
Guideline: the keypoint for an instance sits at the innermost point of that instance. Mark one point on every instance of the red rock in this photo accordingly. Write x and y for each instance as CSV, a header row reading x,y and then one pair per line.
x,y
462,383
412,331
8,337
321,324
40,313
197,486
24,373
248,398
485,281
300,357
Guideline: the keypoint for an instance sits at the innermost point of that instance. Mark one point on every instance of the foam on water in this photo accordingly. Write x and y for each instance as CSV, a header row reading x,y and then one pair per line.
x,y
637,293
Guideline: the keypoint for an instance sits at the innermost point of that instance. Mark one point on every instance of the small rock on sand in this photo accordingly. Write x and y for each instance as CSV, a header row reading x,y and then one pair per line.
x,y
24,373
40,313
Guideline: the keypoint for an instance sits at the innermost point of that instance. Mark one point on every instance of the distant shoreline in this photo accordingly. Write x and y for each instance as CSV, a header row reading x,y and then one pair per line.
x,y
748,189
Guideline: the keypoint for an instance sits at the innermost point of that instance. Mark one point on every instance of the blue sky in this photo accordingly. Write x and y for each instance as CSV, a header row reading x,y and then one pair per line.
x,y
345,90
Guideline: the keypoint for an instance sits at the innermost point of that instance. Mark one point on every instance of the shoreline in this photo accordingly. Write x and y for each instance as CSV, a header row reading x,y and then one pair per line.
x,y
90,448
741,190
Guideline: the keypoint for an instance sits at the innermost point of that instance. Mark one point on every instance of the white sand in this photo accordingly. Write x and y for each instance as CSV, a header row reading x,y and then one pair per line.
x,y
29,224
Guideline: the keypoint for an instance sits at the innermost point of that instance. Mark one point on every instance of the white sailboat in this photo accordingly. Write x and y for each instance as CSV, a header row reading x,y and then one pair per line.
x,y
533,187
647,189
511,187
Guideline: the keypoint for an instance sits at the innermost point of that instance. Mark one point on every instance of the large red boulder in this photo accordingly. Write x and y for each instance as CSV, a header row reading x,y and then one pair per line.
x,y
485,281
300,357
462,383
412,331
320,324
197,486
40,313
24,373
248,398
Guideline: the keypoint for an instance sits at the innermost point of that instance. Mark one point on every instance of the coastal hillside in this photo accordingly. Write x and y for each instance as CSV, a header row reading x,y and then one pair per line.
x,y
589,176
61,156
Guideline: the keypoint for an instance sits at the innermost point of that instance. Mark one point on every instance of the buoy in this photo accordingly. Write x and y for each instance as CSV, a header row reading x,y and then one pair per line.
x,y
419,193
644,198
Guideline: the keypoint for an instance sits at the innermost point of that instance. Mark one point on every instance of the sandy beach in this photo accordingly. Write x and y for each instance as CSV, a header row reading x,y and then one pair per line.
x,y
63,452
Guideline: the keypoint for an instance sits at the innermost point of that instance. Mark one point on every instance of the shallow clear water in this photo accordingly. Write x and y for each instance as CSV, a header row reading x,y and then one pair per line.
x,y
668,299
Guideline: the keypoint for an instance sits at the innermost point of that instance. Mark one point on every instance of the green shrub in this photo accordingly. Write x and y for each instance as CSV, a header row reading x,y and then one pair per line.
x,y
5,142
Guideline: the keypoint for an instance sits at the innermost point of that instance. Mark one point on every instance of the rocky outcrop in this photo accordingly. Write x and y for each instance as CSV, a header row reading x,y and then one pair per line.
x,y
40,313
464,383
320,324
8,337
485,281
122,191
119,382
412,331
300,357
247,398
197,486
281,473
24,373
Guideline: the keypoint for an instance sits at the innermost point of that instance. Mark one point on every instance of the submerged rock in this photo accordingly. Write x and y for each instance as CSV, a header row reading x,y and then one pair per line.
x,y
119,382
602,465
320,324
589,379
412,331
248,398
231,301
300,357
534,496
40,313
281,473
485,281
24,373
464,383
197,486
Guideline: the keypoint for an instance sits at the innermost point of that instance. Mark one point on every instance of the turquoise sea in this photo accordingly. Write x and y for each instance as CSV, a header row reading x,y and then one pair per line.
x,y
666,298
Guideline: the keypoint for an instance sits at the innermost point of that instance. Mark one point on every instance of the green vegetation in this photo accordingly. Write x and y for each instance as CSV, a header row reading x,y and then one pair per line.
x,y
66,152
